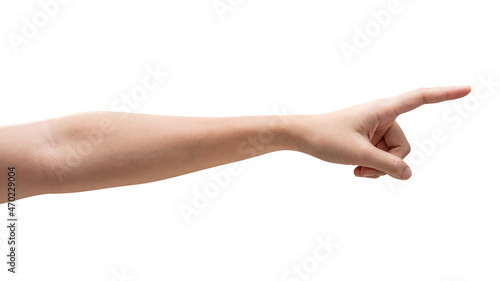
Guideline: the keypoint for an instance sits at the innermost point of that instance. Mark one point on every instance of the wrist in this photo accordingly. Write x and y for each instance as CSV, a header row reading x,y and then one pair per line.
x,y
290,132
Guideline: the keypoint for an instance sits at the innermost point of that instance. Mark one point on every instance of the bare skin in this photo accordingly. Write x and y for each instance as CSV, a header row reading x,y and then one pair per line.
x,y
97,150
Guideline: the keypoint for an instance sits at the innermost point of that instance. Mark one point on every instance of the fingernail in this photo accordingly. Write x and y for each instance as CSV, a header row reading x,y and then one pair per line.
x,y
406,174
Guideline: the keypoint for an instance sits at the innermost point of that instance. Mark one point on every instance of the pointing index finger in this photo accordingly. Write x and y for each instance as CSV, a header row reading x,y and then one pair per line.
x,y
413,99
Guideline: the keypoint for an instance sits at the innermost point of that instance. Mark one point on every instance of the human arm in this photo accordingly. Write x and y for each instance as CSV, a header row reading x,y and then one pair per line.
x,y
106,149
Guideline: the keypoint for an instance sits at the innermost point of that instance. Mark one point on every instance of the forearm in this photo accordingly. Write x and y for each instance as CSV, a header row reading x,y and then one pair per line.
x,y
106,149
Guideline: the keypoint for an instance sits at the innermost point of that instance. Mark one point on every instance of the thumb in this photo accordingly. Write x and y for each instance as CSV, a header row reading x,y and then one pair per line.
x,y
386,162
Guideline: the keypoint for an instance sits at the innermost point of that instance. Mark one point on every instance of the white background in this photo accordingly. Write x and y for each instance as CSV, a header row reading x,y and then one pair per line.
x,y
264,57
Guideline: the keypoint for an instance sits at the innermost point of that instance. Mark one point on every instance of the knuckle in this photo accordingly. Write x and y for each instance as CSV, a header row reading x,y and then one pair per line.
x,y
421,90
407,150
394,166
382,103
397,163
380,107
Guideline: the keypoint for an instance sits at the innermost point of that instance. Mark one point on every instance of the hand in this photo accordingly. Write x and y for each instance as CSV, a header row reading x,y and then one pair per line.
x,y
368,135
